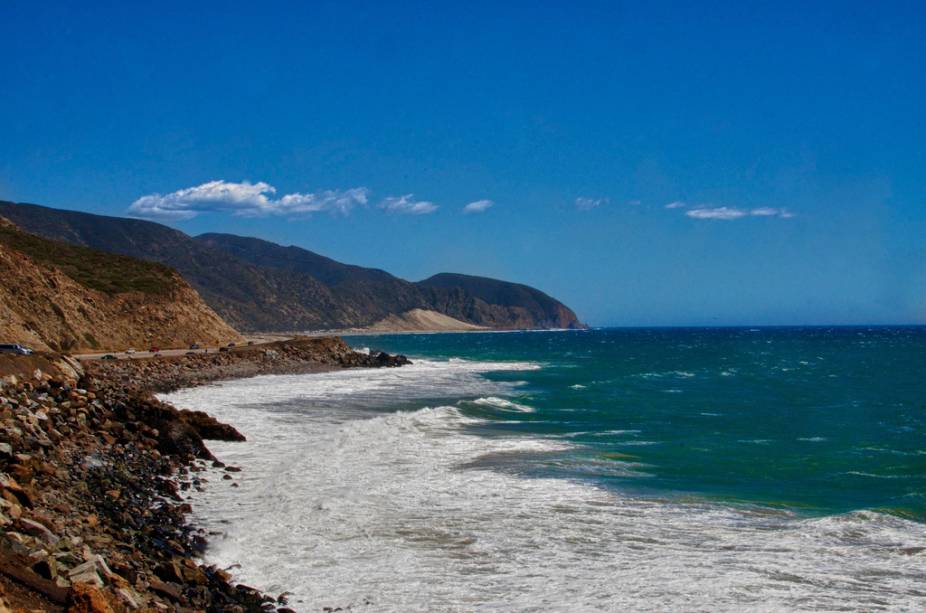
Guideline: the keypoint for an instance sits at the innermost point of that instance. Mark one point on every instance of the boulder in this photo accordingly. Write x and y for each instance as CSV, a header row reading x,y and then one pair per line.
x,y
37,530
84,598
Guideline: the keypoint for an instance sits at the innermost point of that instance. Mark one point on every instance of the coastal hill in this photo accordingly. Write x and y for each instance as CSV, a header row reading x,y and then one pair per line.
x,y
246,296
358,296
474,301
67,297
259,285
496,303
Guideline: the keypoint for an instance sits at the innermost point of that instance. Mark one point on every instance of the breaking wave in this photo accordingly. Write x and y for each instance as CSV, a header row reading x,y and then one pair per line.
x,y
349,500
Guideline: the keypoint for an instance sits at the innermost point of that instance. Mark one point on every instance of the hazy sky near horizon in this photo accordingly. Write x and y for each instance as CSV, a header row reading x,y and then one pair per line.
x,y
647,163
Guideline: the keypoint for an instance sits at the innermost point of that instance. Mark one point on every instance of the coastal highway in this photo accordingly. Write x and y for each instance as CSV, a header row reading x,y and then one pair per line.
x,y
122,355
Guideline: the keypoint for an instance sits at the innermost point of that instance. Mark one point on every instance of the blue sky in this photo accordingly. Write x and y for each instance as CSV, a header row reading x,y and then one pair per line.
x,y
792,135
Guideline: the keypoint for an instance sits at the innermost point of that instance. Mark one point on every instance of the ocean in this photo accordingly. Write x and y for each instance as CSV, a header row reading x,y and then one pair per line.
x,y
758,469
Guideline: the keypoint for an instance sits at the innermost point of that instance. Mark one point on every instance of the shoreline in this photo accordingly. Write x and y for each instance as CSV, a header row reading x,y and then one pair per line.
x,y
393,493
92,468
293,355
397,332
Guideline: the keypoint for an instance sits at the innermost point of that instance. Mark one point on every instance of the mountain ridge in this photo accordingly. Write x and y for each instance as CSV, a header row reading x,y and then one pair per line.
x,y
255,284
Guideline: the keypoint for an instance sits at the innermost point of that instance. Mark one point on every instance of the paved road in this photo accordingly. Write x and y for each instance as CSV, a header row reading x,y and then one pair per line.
x,y
262,340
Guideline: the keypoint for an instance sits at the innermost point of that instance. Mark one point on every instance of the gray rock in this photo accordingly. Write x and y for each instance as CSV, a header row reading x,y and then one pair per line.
x,y
38,530
86,573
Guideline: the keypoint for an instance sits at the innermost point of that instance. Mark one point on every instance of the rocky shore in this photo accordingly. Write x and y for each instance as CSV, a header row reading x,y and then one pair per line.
x,y
295,356
92,468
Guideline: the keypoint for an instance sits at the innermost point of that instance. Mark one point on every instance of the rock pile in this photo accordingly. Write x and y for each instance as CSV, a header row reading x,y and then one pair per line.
x,y
89,507
296,356
91,473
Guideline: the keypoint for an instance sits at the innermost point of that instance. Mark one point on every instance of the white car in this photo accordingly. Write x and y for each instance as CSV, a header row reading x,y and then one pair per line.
x,y
130,351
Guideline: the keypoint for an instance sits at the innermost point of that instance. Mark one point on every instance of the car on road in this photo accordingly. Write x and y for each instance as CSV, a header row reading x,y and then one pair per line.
x,y
223,349
231,344
129,351
194,346
109,356
155,350
15,348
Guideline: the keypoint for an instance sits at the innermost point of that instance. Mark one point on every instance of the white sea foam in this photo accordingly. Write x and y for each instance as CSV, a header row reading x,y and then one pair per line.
x,y
859,473
611,432
343,506
576,434
505,405
678,374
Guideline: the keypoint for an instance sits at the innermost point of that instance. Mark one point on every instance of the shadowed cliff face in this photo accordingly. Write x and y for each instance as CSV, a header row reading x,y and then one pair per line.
x,y
258,285
360,296
497,303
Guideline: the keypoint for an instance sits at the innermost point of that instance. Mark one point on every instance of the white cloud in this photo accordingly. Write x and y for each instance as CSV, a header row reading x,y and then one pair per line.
x,y
771,212
677,204
764,212
587,204
479,206
728,213
720,212
407,205
331,201
245,199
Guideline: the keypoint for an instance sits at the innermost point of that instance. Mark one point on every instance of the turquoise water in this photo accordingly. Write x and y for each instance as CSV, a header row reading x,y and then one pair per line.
x,y
813,420
610,470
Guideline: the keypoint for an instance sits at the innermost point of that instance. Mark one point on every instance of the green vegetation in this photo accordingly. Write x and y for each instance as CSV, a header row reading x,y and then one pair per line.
x,y
97,270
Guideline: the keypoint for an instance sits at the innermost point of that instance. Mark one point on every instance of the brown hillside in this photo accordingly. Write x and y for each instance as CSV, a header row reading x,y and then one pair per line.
x,y
71,298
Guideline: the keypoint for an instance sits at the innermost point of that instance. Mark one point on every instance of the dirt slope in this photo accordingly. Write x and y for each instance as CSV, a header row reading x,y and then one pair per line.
x,y
71,298
422,320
